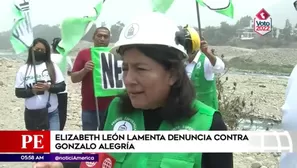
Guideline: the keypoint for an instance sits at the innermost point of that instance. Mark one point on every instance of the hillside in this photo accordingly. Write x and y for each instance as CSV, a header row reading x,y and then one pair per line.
x,y
273,56
266,60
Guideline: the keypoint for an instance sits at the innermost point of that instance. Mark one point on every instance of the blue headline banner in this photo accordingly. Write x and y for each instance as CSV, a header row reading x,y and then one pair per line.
x,y
48,157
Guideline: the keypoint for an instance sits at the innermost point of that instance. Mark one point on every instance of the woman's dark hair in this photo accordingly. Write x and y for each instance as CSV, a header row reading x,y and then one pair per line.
x,y
48,61
182,93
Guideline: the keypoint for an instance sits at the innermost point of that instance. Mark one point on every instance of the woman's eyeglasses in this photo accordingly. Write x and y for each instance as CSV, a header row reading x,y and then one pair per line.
x,y
39,49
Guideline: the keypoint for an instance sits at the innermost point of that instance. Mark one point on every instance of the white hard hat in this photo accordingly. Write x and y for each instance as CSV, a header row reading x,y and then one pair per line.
x,y
153,28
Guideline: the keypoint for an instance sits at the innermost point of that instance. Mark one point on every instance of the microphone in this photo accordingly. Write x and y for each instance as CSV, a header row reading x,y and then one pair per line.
x,y
104,161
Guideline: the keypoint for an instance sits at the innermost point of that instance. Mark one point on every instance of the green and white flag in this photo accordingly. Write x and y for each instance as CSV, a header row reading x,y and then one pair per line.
x,y
161,5
73,29
22,33
224,7
107,73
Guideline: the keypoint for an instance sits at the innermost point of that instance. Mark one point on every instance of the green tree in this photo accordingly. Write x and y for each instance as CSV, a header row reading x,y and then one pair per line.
x,y
227,30
274,32
103,24
209,34
219,35
287,30
243,22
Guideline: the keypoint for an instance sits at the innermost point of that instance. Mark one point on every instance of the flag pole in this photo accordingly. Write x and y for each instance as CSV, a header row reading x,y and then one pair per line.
x,y
97,107
198,18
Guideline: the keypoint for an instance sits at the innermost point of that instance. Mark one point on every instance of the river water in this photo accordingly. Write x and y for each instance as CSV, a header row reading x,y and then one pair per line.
x,y
259,124
245,124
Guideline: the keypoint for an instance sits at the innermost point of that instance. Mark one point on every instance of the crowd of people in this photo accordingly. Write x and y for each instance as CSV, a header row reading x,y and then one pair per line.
x,y
169,75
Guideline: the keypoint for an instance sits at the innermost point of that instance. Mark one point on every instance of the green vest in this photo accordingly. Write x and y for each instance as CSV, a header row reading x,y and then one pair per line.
x,y
206,91
116,121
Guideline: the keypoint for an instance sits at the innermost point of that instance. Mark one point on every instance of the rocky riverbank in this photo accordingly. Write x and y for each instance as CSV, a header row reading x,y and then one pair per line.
x,y
268,92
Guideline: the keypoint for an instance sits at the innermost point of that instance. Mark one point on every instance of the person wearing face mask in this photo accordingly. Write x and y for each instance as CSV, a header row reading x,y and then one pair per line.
x,y
38,82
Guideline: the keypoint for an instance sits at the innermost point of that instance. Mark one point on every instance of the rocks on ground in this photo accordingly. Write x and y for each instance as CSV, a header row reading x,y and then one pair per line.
x,y
271,56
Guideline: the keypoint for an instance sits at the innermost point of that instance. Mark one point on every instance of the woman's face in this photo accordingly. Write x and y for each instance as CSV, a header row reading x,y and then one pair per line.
x,y
39,47
39,52
147,82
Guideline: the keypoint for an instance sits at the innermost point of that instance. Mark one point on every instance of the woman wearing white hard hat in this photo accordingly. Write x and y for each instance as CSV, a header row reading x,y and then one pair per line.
x,y
159,95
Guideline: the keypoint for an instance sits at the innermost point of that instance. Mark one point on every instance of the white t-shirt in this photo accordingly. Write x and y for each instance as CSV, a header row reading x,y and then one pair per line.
x,y
209,69
58,58
38,101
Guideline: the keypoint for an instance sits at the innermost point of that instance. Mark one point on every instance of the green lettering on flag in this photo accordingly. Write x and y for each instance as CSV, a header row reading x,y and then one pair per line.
x,y
73,29
22,32
107,73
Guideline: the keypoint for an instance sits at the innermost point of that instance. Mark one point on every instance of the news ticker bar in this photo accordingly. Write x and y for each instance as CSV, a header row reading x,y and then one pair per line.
x,y
49,157
77,142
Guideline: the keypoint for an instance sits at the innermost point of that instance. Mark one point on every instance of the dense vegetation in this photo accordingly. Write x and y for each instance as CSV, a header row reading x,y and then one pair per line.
x,y
224,34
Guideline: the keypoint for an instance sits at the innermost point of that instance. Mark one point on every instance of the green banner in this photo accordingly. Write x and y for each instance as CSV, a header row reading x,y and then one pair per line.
x,y
74,28
107,73
22,31
224,7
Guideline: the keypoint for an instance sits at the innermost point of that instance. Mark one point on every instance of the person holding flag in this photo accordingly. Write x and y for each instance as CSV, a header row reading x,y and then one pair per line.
x,y
38,82
201,67
65,65
73,29
82,72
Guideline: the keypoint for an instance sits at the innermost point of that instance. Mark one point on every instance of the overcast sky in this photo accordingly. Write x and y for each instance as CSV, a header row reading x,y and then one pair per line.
x,y
52,12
